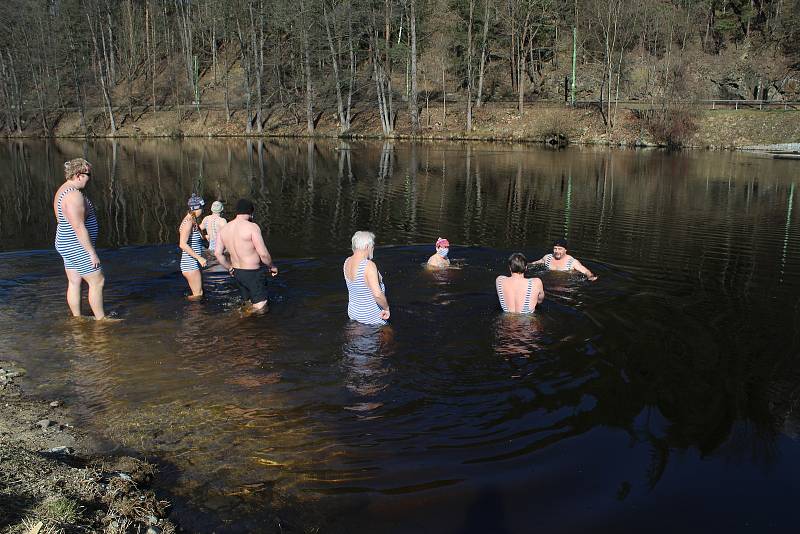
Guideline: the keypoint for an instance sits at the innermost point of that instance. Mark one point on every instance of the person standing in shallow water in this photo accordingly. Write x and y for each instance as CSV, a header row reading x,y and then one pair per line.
x,y
439,259
367,301
559,260
212,224
243,240
190,242
76,236
516,293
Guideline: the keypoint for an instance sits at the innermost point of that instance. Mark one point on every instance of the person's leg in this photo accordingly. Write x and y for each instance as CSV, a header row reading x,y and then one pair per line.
x,y
96,282
73,291
195,280
258,291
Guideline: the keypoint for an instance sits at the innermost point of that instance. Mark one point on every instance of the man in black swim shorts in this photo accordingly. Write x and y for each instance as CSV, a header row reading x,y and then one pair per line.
x,y
243,240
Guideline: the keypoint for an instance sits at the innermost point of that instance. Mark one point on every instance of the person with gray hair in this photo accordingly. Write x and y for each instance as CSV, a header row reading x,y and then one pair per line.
x,y
367,300
76,236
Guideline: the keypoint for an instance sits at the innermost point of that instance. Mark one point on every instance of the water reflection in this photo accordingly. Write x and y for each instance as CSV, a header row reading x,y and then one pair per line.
x,y
679,364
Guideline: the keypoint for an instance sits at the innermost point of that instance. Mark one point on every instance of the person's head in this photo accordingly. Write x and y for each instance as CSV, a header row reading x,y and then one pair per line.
x,y
517,263
195,204
442,247
217,207
559,248
363,240
78,171
245,207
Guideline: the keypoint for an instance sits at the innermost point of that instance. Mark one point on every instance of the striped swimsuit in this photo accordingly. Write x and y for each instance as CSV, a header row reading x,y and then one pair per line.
x,y
548,259
212,234
75,256
188,263
526,305
362,306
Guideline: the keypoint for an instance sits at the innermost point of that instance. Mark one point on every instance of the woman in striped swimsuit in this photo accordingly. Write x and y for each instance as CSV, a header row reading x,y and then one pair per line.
x,y
516,293
191,244
212,224
367,300
76,236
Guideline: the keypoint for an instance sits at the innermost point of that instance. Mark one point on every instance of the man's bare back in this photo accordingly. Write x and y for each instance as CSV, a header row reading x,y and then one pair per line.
x,y
245,244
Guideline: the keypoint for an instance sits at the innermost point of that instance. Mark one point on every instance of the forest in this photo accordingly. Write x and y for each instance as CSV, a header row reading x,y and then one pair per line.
x,y
112,61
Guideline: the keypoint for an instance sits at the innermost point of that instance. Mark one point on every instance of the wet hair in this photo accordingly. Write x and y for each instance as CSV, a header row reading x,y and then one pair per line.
x,y
244,207
362,240
560,242
517,263
76,166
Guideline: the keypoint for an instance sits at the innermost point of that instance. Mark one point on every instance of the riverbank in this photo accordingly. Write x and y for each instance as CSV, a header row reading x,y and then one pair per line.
x,y
713,129
51,482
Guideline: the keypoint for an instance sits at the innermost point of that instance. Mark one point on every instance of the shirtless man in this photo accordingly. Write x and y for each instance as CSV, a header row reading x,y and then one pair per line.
x,y
559,260
439,259
244,242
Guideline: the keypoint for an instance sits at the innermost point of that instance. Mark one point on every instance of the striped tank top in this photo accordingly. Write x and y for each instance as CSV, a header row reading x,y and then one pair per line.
x,y
526,305
361,306
548,260
67,244
195,242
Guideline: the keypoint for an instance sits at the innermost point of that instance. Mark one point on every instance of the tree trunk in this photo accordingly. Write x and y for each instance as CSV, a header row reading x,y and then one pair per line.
x,y
343,126
469,65
482,68
413,107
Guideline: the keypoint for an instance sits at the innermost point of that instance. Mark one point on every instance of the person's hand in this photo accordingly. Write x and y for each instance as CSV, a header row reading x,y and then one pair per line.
x,y
203,262
385,314
95,260
273,271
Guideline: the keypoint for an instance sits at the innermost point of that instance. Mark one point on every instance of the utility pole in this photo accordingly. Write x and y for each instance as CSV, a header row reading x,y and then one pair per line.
x,y
574,58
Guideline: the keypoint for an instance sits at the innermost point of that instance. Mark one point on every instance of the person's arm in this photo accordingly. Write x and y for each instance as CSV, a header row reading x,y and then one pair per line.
x,y
261,250
371,278
537,262
219,253
578,266
183,242
74,210
539,288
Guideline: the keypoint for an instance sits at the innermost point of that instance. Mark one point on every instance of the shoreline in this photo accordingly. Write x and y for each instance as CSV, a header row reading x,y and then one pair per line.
x,y
51,478
549,126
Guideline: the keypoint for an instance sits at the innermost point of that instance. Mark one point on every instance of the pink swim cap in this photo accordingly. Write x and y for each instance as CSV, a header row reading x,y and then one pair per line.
x,y
442,242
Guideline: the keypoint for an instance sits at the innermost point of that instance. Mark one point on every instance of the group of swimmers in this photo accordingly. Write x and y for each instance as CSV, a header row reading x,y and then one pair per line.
x,y
238,246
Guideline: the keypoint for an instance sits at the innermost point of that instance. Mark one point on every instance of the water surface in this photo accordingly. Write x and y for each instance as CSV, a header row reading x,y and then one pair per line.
x,y
664,396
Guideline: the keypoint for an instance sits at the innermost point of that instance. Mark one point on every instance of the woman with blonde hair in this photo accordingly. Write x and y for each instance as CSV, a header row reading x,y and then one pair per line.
x,y
191,244
366,293
76,236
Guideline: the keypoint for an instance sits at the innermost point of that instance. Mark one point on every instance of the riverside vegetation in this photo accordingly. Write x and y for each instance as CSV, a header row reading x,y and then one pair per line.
x,y
400,68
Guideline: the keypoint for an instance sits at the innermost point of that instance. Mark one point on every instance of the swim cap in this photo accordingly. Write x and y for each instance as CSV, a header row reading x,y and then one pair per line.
x,y
442,242
195,202
217,206
560,242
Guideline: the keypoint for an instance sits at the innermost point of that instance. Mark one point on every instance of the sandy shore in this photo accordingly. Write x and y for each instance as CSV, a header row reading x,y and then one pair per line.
x,y
51,482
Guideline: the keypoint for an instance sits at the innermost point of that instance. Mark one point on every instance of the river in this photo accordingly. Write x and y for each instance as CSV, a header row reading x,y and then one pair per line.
x,y
662,397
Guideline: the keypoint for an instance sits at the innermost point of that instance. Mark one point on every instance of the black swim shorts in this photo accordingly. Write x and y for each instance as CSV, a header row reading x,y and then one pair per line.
x,y
252,284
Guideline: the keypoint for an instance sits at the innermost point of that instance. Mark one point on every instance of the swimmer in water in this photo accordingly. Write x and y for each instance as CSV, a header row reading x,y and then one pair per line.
x,y
243,240
516,293
559,260
212,224
439,259
190,243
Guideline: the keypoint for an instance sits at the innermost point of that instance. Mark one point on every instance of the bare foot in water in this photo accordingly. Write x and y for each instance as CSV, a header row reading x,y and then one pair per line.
x,y
195,298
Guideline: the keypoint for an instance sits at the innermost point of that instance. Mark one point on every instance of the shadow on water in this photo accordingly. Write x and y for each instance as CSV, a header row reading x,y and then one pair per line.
x,y
664,392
